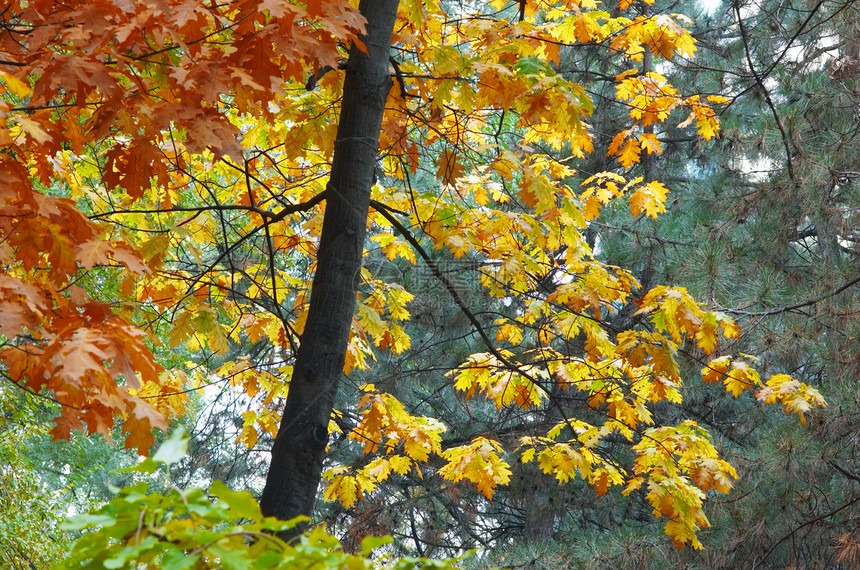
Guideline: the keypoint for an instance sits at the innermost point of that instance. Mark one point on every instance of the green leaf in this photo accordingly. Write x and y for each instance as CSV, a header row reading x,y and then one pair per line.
x,y
145,466
132,553
531,65
241,503
231,559
368,543
175,559
80,522
174,448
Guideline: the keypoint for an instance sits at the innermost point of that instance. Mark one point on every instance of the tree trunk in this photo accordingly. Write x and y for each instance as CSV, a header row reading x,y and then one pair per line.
x,y
299,448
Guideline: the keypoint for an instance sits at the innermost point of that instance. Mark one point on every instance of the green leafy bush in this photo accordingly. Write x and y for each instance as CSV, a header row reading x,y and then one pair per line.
x,y
189,529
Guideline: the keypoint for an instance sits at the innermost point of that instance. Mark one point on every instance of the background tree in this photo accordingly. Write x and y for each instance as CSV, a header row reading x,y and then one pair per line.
x,y
29,516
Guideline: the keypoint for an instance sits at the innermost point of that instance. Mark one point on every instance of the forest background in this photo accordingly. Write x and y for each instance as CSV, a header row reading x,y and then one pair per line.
x,y
575,214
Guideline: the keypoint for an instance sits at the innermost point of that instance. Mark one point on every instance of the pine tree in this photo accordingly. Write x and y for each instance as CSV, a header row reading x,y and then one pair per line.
x,y
762,224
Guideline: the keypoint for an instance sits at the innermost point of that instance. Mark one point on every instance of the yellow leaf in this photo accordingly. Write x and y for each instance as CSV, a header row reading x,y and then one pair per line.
x,y
740,378
400,464
419,444
681,534
379,469
634,484
716,369
650,143
629,154
343,488
528,455
707,334
478,462
510,332
649,199
615,145
15,85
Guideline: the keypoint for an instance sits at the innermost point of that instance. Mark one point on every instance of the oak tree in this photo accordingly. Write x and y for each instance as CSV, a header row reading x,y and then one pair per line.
x,y
224,152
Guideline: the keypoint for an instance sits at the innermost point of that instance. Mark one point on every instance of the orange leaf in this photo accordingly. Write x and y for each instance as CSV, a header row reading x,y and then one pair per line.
x,y
629,154
449,169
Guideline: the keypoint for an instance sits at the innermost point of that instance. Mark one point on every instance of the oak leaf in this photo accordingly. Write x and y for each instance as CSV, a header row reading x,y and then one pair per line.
x,y
450,170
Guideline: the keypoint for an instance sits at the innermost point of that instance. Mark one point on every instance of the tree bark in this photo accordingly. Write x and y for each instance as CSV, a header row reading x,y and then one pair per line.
x,y
299,447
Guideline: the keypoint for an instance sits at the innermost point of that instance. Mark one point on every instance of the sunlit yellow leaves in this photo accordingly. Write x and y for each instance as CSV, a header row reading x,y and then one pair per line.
x,y
716,369
507,165
680,464
650,143
393,247
478,462
674,311
199,326
168,396
600,189
371,324
155,248
572,374
708,332
263,419
358,354
704,116
13,84
664,36
579,27
649,199
795,396
626,412
384,427
663,388
398,298
422,438
509,332
348,489
385,423
739,377
564,459
629,153
537,190
395,339
348,486
650,97
710,473
370,320
485,373
260,326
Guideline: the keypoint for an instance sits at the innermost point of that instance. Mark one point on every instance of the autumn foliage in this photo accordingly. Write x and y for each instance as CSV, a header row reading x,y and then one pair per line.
x,y
122,80
197,138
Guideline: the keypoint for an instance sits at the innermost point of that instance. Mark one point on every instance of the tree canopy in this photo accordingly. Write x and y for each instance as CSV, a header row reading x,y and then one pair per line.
x,y
398,231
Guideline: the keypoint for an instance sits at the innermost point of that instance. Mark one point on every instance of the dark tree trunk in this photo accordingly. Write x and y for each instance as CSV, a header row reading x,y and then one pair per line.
x,y
299,448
